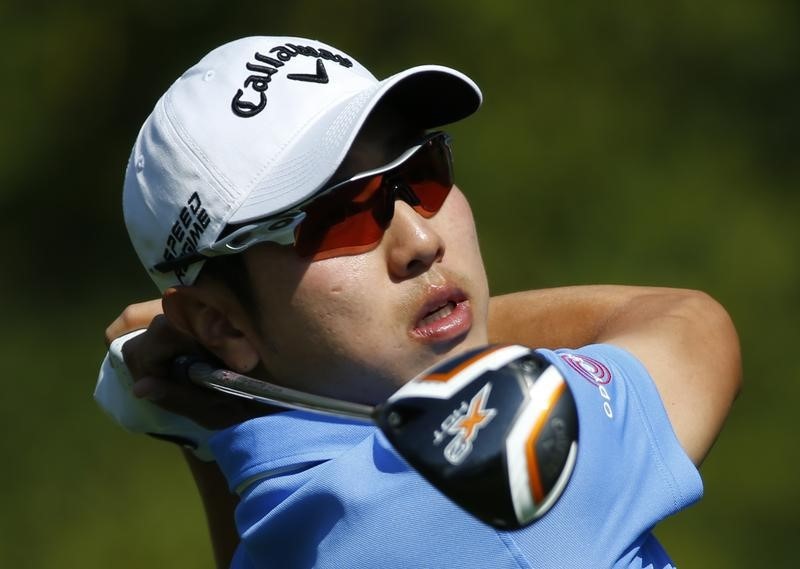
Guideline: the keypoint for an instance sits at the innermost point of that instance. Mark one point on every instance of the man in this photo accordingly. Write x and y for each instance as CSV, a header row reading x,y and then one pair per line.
x,y
302,224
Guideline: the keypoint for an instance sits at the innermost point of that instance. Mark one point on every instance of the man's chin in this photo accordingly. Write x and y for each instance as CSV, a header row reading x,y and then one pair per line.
x,y
378,383
473,339
440,352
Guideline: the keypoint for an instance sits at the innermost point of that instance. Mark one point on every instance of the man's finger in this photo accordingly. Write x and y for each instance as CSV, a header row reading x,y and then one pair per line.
x,y
207,408
134,317
152,353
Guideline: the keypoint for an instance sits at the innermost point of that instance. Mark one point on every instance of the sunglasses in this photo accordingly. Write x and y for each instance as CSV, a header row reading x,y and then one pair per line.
x,y
351,216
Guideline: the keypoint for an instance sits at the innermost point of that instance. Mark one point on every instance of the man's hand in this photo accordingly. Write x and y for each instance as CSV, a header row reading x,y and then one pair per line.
x,y
149,357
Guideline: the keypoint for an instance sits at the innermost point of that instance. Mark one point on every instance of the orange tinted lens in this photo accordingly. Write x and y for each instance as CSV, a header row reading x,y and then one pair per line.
x,y
341,222
352,218
431,197
429,174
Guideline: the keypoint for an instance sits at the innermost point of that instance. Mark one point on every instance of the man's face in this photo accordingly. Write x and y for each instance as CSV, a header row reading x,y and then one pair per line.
x,y
359,326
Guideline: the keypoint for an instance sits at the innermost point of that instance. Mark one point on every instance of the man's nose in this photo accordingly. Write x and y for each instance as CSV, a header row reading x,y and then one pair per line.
x,y
412,242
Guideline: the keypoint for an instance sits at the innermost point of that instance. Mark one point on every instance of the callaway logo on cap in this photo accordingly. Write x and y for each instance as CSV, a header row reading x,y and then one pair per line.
x,y
257,126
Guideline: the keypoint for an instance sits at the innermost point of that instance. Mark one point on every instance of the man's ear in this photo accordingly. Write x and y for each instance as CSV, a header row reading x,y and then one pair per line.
x,y
216,322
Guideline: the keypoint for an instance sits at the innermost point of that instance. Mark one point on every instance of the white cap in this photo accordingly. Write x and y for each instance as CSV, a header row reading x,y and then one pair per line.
x,y
257,126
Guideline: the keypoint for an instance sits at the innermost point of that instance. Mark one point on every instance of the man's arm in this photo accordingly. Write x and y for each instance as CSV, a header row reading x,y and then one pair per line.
x,y
149,363
685,339
219,505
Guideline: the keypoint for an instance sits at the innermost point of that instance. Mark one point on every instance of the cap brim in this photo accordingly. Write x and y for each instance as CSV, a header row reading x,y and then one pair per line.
x,y
429,95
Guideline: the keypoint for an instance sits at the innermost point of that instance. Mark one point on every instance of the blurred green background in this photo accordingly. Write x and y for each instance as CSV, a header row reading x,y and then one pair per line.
x,y
644,143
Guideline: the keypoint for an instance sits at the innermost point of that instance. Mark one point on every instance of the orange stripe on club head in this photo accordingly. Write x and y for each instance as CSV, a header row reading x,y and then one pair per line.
x,y
534,479
449,374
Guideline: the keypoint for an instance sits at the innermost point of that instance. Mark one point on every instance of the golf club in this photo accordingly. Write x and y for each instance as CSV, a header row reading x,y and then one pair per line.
x,y
495,429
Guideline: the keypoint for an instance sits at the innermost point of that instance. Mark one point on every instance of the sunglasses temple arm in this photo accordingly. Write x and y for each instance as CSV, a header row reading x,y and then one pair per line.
x,y
178,262
255,233
226,381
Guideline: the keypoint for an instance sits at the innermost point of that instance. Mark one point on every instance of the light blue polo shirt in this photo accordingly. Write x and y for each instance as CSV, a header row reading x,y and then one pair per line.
x,y
323,492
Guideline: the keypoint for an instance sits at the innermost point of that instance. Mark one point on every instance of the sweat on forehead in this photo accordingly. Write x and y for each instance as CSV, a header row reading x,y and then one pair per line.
x,y
259,125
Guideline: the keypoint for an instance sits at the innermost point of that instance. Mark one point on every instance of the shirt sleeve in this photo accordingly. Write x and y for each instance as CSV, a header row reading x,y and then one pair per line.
x,y
631,471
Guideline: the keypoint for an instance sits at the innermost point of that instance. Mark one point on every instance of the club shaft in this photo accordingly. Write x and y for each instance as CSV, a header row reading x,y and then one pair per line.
x,y
240,385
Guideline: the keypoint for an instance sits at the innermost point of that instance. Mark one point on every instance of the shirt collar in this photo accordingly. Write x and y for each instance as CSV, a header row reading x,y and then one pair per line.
x,y
282,442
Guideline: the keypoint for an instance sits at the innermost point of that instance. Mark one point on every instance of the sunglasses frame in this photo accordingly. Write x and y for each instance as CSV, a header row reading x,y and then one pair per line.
x,y
280,228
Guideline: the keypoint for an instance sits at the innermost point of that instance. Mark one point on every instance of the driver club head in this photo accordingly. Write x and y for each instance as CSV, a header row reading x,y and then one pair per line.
x,y
494,429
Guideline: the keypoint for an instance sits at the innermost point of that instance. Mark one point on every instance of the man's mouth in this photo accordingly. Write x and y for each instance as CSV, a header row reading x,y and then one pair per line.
x,y
445,315
439,313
